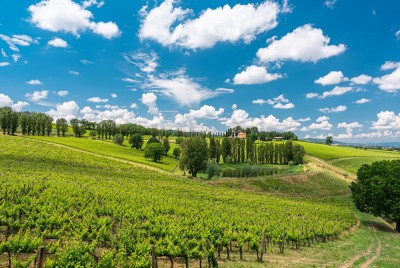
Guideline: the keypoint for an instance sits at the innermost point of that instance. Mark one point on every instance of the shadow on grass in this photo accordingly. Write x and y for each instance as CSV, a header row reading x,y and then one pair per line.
x,y
380,226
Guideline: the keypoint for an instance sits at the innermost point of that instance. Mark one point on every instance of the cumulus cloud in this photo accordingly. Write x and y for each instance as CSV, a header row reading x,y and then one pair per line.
x,y
207,112
338,109
114,95
362,79
68,110
306,119
57,42
332,78
150,99
97,99
167,25
18,40
240,117
70,17
255,75
390,82
6,101
37,95
336,91
386,120
349,126
304,44
133,106
34,82
321,123
362,101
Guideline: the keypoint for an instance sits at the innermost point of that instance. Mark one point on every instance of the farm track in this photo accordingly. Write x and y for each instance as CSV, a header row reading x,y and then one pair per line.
x,y
378,251
340,173
102,155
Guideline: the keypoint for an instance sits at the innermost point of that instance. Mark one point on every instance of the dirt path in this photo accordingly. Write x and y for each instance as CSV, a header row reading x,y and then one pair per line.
x,y
104,156
332,169
350,262
376,255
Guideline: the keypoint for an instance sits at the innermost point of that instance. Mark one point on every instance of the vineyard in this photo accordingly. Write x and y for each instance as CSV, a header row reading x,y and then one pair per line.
x,y
87,210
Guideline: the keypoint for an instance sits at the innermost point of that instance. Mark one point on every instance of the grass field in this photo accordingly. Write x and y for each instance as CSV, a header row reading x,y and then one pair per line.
x,y
107,148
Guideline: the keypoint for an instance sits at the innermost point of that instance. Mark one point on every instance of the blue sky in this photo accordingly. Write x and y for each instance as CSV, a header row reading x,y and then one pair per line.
x,y
313,67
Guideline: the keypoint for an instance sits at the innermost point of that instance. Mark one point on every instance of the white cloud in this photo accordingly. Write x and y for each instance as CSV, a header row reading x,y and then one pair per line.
x,y
387,120
97,99
70,17
362,79
6,101
332,78
130,80
255,75
62,93
234,106
305,44
340,108
286,7
73,72
67,110
241,118
279,102
330,3
166,24
5,63
58,42
182,89
336,91
37,95
304,119
312,95
206,111
16,57
349,126
390,65
226,90
133,106
362,101
34,82
89,3
150,99
322,119
114,95
18,40
322,123
3,53
147,62
108,30
86,62
390,82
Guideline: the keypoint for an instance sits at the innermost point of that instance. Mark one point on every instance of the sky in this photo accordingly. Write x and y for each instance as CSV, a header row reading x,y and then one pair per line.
x,y
317,68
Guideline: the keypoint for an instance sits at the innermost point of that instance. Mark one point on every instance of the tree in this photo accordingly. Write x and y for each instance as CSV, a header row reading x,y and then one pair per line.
x,y
167,146
225,149
195,155
177,152
78,128
212,168
118,139
298,153
49,125
213,148
61,126
329,140
136,141
377,190
154,150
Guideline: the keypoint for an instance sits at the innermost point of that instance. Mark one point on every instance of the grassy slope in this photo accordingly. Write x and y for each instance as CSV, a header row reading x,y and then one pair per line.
x,y
347,158
107,148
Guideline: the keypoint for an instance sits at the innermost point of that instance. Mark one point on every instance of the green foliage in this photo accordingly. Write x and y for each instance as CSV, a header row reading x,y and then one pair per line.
x,y
166,145
195,155
88,202
155,151
177,152
78,127
136,141
153,139
212,168
118,139
329,140
377,190
9,120
61,127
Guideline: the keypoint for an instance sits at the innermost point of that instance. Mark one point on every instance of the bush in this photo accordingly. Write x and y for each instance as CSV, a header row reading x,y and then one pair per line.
x,y
153,140
212,168
118,139
136,141
177,152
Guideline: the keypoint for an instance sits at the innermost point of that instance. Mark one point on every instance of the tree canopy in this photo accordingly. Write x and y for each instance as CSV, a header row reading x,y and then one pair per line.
x,y
377,190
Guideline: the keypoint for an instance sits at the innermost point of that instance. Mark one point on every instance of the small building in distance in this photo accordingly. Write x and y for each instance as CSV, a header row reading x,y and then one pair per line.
x,y
242,135
278,138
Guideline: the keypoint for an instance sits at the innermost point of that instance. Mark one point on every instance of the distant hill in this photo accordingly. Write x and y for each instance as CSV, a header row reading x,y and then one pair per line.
x,y
351,144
